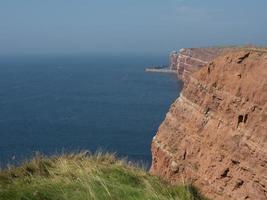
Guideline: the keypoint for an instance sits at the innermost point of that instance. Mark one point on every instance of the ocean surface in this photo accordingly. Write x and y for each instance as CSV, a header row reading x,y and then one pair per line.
x,y
54,104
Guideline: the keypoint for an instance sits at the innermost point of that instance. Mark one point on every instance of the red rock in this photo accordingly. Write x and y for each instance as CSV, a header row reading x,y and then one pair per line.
x,y
189,60
215,133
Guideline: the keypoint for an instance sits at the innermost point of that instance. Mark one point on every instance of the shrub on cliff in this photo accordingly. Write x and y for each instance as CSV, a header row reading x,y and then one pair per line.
x,y
86,177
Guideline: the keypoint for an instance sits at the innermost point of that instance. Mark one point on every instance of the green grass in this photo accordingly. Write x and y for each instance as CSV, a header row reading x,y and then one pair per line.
x,y
83,176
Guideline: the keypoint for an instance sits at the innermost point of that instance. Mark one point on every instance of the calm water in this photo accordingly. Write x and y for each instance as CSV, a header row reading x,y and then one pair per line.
x,y
63,103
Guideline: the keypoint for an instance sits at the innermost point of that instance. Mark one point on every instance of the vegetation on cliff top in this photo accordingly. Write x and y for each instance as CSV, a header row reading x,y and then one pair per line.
x,y
84,176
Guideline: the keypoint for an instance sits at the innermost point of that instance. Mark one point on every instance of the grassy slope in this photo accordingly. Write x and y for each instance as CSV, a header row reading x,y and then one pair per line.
x,y
86,177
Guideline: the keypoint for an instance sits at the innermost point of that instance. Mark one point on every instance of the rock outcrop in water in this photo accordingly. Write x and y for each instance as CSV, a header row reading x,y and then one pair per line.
x,y
215,133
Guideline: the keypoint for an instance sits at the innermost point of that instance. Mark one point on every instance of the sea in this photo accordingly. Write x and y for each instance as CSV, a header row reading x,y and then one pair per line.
x,y
55,104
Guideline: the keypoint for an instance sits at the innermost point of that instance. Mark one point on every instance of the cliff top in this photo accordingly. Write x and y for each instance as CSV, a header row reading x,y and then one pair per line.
x,y
224,48
83,176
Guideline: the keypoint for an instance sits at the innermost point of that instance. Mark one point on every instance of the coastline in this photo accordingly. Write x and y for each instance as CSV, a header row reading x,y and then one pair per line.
x,y
161,70
220,103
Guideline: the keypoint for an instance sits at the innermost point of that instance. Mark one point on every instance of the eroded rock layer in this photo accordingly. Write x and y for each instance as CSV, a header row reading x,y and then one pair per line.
x,y
189,60
215,133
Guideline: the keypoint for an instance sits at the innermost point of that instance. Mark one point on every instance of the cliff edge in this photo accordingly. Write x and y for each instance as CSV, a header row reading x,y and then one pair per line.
x,y
189,60
215,133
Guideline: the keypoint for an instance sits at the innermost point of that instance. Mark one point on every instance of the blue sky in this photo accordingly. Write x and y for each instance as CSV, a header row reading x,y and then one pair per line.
x,y
128,26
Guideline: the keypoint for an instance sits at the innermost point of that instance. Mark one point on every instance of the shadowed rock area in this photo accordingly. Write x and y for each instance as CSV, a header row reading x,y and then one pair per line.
x,y
215,133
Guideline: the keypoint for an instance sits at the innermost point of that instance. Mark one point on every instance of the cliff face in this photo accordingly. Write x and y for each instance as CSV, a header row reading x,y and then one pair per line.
x,y
187,61
215,133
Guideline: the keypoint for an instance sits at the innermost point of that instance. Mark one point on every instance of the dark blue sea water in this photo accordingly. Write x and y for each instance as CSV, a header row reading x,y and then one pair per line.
x,y
52,104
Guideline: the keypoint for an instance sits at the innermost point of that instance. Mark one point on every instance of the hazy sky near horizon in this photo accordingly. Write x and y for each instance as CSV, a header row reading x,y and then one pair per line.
x,y
128,26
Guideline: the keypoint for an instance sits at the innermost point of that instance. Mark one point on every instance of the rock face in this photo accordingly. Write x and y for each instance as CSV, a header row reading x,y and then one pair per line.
x,y
187,61
215,133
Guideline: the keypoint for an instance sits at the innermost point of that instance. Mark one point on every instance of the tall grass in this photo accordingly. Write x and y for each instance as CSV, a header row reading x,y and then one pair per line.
x,y
84,176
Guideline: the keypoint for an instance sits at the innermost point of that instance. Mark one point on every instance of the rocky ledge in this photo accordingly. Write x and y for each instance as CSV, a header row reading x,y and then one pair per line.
x,y
215,134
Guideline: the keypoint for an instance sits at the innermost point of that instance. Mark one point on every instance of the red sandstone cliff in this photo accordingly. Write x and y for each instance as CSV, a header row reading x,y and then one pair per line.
x,y
215,134
190,60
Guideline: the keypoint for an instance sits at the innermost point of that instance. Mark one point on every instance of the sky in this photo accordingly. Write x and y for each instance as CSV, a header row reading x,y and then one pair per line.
x,y
128,26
